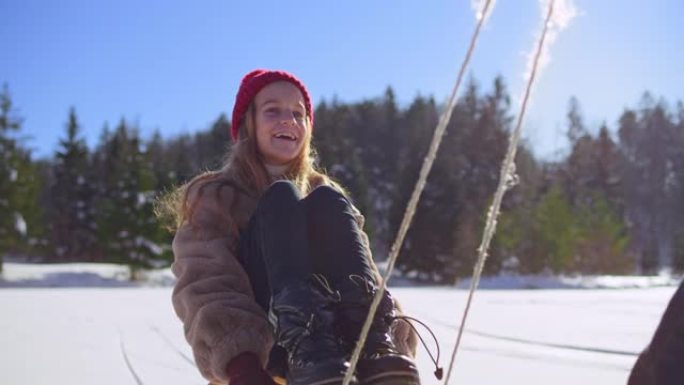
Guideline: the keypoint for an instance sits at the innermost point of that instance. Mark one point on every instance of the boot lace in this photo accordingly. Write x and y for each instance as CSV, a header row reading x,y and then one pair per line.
x,y
438,370
370,288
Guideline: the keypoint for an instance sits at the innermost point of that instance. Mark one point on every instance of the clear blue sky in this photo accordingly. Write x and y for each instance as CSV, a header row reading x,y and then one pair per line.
x,y
175,65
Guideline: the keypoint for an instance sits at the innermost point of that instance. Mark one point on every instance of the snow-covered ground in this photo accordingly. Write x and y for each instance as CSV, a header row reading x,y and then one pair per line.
x,y
79,275
83,324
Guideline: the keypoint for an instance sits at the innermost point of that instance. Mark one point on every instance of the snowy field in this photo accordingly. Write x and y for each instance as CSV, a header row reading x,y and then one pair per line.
x,y
81,324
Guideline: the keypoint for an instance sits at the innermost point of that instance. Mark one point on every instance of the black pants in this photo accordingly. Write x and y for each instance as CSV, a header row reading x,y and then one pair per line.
x,y
290,237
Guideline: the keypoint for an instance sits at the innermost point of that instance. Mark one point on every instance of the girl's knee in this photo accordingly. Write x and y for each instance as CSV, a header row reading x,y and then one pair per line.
x,y
326,199
281,192
325,203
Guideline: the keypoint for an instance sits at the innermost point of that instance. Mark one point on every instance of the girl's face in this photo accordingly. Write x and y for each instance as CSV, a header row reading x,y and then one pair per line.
x,y
281,123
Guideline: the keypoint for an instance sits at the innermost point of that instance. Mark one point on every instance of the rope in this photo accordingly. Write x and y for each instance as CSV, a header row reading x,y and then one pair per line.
x,y
506,180
413,202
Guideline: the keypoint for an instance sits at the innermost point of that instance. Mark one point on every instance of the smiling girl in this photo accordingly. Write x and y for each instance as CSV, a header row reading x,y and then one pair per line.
x,y
274,272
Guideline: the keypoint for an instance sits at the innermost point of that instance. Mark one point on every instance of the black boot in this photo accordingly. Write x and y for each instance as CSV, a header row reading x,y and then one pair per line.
x,y
380,362
302,315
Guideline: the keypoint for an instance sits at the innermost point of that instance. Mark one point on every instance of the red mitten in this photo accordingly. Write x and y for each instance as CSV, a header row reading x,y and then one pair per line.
x,y
245,369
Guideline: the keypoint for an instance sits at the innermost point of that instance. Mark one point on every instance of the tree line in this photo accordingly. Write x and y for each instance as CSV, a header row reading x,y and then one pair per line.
x,y
613,205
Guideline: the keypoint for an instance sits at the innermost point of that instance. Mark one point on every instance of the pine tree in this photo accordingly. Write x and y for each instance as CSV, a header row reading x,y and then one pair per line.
x,y
601,240
576,128
73,191
422,243
441,244
380,155
432,249
648,139
10,228
127,227
157,154
21,220
595,164
181,160
556,231
211,146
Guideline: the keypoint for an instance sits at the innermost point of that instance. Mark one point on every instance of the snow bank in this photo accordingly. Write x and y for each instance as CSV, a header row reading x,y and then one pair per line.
x,y
567,282
17,274
546,281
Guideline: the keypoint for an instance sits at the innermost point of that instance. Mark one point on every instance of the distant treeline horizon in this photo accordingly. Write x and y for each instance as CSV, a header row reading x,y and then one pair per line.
x,y
613,205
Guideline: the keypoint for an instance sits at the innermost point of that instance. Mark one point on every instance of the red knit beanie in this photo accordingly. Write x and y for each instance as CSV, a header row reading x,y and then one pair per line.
x,y
252,83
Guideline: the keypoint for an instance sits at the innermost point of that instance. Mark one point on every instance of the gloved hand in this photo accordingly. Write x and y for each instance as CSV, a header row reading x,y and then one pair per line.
x,y
245,369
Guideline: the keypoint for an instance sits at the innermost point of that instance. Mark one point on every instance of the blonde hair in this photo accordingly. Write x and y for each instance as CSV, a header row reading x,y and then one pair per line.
x,y
245,166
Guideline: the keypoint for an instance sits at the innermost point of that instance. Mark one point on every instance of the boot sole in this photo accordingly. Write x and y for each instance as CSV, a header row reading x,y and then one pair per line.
x,y
392,378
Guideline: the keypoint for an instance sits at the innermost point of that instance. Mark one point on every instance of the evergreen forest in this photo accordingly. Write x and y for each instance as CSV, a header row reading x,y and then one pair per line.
x,y
613,203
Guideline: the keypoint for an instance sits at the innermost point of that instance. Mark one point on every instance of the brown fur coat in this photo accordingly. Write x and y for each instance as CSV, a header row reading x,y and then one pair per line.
x,y
213,295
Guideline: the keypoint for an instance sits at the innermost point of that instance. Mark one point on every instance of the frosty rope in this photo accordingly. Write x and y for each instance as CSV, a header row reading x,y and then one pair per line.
x,y
415,196
506,180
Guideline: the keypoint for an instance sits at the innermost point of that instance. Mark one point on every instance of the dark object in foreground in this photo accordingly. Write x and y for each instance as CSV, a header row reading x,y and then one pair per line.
x,y
662,362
